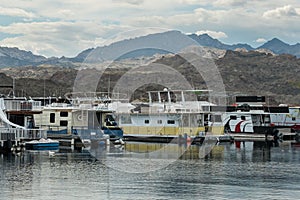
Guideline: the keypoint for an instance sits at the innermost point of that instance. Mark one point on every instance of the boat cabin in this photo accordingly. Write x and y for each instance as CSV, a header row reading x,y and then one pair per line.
x,y
251,115
67,119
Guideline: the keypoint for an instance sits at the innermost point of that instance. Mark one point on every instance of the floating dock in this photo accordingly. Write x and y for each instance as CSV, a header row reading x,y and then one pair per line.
x,y
67,141
284,136
251,137
175,139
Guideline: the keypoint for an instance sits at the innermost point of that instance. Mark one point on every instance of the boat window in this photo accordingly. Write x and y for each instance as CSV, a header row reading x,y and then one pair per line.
x,y
193,120
110,118
294,118
233,117
63,123
147,121
267,119
52,117
243,117
159,121
185,120
64,114
171,121
110,121
216,118
125,119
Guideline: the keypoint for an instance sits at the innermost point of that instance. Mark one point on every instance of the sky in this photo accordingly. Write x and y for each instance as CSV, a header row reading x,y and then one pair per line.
x,y
67,27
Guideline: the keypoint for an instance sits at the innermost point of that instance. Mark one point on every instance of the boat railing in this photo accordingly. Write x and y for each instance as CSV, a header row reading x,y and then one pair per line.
x,y
62,105
20,105
16,134
77,98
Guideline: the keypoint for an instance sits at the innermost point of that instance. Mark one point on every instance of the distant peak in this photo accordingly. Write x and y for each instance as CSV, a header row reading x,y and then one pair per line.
x,y
204,35
277,41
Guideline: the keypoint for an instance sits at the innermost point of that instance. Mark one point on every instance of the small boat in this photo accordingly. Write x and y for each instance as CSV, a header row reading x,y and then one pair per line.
x,y
42,144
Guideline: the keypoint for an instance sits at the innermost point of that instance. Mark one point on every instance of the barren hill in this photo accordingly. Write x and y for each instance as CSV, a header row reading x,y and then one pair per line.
x,y
252,73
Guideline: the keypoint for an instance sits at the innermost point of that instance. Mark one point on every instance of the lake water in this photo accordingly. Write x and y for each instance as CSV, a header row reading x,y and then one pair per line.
x,y
155,171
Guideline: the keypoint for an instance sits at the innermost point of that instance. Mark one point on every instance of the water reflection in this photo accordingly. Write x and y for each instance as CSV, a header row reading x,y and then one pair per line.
x,y
250,170
257,151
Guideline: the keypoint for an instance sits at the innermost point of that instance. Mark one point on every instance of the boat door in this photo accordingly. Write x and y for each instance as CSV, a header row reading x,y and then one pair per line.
x,y
95,119
261,119
256,119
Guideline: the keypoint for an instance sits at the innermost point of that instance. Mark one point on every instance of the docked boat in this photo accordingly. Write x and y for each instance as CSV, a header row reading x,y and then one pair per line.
x,y
88,116
250,114
14,128
290,120
42,144
171,114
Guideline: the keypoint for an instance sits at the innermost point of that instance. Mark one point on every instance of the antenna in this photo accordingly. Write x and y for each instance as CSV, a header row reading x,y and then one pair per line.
x,y
14,84
44,93
108,88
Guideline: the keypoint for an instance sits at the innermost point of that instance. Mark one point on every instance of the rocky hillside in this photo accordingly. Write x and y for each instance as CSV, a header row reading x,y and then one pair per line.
x,y
16,57
252,73
262,74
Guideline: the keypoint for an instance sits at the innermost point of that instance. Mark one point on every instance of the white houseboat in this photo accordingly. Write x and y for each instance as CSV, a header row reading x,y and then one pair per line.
x,y
85,116
252,115
171,113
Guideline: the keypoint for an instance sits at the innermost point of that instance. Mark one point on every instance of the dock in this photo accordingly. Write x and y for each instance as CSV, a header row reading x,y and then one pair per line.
x,y
67,141
251,137
151,138
284,136
231,137
174,139
12,139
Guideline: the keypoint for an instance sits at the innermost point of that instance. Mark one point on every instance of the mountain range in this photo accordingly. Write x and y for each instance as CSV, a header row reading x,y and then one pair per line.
x,y
14,57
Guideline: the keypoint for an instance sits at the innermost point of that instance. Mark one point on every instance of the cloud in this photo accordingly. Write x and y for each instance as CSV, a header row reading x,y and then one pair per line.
x,y
229,3
194,2
56,28
55,38
213,34
260,40
133,2
67,38
16,12
285,11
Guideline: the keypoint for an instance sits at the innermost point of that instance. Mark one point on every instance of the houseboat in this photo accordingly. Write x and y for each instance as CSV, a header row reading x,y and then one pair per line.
x,y
15,123
86,116
290,120
171,113
250,114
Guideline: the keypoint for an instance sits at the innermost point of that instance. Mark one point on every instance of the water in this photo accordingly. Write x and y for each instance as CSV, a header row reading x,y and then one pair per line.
x,y
253,171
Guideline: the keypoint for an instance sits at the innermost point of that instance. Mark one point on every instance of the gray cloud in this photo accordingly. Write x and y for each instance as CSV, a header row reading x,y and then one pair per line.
x,y
133,2
285,11
16,12
59,28
230,3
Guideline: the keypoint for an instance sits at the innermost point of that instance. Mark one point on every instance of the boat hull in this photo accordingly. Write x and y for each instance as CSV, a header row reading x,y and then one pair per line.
x,y
42,146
